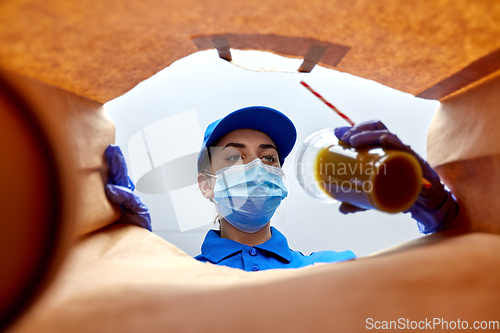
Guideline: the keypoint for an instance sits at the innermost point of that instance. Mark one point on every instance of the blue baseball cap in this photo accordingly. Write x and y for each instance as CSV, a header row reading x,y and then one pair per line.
x,y
261,118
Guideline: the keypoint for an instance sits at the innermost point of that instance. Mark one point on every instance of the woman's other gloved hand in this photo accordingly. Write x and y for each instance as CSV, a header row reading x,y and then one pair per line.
x,y
435,208
120,190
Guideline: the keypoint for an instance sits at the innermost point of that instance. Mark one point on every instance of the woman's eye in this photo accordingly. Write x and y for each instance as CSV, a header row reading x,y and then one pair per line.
x,y
234,158
269,159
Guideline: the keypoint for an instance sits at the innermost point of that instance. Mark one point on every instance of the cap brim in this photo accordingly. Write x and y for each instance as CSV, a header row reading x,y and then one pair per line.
x,y
267,120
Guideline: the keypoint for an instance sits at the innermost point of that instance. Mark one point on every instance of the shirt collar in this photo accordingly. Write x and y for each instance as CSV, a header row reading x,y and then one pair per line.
x,y
216,249
277,245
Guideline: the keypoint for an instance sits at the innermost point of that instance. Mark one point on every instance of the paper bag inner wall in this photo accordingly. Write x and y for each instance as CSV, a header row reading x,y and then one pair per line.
x,y
87,130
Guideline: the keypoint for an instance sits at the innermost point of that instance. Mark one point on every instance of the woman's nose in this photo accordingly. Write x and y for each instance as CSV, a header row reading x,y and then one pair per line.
x,y
261,176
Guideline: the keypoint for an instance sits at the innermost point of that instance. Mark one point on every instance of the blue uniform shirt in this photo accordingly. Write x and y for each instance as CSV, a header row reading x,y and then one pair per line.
x,y
274,253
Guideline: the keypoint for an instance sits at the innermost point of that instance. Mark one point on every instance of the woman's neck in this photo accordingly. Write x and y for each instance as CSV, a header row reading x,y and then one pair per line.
x,y
229,232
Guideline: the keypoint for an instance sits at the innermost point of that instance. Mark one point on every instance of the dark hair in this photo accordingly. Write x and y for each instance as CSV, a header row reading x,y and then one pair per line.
x,y
204,163
204,166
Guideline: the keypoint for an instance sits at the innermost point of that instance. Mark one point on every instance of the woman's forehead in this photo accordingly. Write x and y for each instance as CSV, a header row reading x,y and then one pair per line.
x,y
244,136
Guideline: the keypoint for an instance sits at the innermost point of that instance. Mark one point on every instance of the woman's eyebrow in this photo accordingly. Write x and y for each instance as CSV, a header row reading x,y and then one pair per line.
x,y
235,145
242,146
267,146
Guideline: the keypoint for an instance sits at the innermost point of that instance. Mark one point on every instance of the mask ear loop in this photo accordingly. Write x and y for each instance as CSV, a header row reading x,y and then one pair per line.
x,y
214,176
212,200
225,185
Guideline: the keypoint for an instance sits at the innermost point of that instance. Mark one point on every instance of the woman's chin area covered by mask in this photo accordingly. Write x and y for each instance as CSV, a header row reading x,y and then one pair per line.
x,y
244,180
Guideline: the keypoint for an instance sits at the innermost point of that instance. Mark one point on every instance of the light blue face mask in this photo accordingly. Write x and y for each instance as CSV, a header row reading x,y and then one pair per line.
x,y
248,195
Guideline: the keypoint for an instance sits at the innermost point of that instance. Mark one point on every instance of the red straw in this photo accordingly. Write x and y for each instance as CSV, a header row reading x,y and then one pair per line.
x,y
327,103
425,182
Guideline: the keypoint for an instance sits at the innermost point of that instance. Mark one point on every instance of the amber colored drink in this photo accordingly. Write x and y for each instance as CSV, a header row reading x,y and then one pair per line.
x,y
387,180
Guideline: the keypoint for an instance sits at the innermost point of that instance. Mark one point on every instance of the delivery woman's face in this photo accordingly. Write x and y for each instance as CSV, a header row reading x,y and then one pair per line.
x,y
243,146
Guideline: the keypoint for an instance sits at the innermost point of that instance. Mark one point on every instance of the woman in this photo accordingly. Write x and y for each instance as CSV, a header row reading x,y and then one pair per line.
x,y
239,169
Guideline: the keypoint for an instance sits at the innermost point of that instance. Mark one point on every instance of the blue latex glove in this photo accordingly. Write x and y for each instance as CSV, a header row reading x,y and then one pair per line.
x,y
435,208
120,190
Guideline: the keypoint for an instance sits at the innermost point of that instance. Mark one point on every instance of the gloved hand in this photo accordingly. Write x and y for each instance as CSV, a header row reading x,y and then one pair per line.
x,y
120,190
435,208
